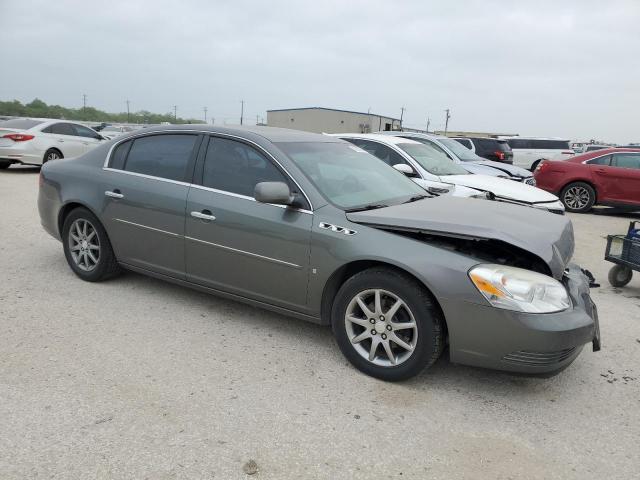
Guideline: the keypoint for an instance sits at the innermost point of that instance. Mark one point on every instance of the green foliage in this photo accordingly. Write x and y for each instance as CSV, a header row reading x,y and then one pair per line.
x,y
38,109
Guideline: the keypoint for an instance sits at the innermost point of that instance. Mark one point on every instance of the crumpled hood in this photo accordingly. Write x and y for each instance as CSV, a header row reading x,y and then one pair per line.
x,y
507,168
503,188
548,236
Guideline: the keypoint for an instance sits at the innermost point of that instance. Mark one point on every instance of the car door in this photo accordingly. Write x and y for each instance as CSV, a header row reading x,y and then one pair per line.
x,y
87,137
146,184
236,244
622,177
63,137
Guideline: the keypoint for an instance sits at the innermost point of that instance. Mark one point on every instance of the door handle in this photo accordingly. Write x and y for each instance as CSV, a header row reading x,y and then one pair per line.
x,y
203,215
115,194
60,141
600,170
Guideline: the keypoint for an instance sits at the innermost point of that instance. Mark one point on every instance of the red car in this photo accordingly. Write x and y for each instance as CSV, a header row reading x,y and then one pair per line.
x,y
604,177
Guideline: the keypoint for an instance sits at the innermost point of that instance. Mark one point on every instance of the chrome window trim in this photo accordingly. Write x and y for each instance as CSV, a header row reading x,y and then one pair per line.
x,y
245,197
105,166
244,252
146,227
143,175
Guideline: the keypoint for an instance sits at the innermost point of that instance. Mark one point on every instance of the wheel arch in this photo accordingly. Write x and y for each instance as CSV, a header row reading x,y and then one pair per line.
x,y
67,208
579,180
44,157
346,271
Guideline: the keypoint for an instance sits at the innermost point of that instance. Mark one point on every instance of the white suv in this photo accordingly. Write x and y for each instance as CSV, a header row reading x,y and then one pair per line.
x,y
529,151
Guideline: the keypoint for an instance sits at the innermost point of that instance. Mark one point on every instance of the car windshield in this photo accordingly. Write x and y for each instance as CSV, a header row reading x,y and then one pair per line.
x,y
348,176
21,123
459,150
432,160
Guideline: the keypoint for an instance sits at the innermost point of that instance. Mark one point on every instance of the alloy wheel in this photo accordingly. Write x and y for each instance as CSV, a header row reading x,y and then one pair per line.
x,y
52,156
381,327
84,245
576,197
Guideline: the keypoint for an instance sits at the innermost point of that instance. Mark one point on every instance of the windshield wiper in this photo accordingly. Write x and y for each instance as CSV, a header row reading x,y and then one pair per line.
x,y
415,198
371,206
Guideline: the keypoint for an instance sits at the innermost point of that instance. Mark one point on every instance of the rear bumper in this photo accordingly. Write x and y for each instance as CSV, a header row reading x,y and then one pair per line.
x,y
484,336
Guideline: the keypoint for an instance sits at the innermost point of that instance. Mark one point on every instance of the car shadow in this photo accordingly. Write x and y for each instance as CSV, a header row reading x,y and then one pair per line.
x,y
443,374
21,169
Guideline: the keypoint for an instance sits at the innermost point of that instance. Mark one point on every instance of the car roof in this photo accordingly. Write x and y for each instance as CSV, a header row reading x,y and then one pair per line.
x,y
600,153
519,137
271,134
388,139
414,134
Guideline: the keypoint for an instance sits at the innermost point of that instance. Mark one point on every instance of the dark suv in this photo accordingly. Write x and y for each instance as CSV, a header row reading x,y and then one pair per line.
x,y
489,148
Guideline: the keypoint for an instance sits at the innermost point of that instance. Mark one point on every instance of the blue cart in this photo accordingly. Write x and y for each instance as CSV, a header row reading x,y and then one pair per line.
x,y
624,252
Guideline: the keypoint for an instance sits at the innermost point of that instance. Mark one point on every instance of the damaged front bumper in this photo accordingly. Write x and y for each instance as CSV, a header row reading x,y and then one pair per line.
x,y
490,337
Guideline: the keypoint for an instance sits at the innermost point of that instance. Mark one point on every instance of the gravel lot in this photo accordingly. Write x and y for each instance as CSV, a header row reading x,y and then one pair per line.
x,y
137,378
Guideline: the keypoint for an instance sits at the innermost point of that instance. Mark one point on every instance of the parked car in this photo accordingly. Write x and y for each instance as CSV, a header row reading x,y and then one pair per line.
x,y
469,160
311,226
529,151
592,148
432,169
112,131
33,142
490,148
604,177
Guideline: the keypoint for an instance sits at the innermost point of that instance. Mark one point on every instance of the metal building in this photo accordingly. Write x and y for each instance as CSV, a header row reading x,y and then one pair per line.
x,y
330,120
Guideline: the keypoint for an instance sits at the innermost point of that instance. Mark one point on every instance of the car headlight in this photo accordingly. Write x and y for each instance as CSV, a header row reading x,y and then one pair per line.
x,y
518,289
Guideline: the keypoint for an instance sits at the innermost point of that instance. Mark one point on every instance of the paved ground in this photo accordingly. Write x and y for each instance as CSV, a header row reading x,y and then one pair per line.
x,y
136,378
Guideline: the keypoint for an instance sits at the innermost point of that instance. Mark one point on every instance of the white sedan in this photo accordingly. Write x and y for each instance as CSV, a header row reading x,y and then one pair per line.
x,y
436,173
29,141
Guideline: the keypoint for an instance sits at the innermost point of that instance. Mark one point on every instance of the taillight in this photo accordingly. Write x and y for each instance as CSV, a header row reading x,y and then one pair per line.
x,y
18,137
499,154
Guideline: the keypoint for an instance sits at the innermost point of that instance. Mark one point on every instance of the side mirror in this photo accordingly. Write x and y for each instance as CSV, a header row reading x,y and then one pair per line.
x,y
406,169
277,193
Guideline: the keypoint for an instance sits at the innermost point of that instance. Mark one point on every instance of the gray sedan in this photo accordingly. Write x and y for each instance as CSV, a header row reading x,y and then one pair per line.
x,y
314,227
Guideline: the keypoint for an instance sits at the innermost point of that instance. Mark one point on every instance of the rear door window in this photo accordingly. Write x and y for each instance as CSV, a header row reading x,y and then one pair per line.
x,y
466,142
606,160
627,160
163,156
550,144
384,153
63,129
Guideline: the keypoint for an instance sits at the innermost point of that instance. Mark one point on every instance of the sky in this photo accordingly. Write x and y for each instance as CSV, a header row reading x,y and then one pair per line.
x,y
546,68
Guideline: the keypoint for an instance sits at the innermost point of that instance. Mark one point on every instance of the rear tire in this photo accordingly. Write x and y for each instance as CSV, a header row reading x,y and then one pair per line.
x,y
52,154
4,165
578,197
87,247
619,275
399,315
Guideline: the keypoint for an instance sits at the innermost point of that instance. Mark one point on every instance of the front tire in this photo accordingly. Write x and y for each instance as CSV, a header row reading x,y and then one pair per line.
x,y
87,247
387,324
578,197
619,275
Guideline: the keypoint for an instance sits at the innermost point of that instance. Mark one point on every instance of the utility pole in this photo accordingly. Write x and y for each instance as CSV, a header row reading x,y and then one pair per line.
x,y
175,112
402,109
205,114
428,123
128,121
446,121
213,120
84,104
241,111
257,119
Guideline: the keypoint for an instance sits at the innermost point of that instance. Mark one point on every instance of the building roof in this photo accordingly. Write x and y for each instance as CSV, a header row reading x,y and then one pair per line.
x,y
332,110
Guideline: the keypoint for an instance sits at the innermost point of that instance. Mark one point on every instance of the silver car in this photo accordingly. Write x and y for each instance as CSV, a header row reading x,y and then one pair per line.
x,y
311,226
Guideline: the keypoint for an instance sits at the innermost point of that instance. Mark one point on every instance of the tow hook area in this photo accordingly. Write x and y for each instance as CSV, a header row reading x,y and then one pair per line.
x,y
591,278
